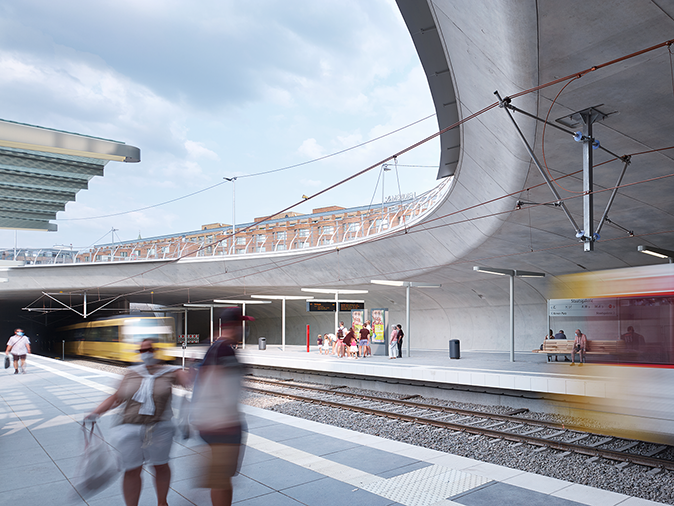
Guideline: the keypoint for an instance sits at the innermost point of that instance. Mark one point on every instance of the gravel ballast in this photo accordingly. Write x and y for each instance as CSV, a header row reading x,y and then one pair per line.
x,y
631,480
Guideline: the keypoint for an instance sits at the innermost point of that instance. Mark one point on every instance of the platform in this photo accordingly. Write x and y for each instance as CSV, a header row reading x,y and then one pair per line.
x,y
288,461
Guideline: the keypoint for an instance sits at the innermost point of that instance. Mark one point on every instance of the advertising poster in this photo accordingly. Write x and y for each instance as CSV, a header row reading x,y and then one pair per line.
x,y
378,325
357,317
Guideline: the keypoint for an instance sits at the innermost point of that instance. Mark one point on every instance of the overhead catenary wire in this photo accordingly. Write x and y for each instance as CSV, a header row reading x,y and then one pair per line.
x,y
415,145
307,162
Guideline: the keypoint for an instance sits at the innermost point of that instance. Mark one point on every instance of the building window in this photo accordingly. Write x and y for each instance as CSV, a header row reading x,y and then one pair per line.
x,y
353,227
240,240
260,238
240,251
280,247
124,254
303,232
281,235
329,229
260,249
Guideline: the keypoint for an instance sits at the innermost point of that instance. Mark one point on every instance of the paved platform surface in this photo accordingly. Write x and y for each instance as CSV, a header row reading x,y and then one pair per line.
x,y
287,461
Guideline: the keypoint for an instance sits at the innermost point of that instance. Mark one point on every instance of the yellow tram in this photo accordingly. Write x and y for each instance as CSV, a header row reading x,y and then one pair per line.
x,y
118,337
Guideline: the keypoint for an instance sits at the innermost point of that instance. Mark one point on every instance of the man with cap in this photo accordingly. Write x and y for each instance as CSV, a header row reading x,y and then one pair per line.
x,y
215,408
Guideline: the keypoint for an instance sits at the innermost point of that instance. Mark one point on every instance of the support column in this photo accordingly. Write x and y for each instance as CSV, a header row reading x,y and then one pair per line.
x,y
407,319
588,181
283,323
512,317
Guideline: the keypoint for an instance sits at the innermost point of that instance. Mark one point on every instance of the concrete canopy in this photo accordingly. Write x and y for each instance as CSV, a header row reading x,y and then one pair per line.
x,y
43,169
469,50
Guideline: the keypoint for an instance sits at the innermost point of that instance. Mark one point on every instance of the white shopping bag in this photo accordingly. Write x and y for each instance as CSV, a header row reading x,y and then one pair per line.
x,y
99,465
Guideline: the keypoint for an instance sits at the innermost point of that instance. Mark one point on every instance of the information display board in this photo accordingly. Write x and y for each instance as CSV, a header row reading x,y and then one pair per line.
x,y
313,305
191,338
583,307
320,306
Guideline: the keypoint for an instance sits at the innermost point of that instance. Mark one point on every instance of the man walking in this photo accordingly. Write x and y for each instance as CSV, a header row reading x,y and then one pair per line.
x,y
19,346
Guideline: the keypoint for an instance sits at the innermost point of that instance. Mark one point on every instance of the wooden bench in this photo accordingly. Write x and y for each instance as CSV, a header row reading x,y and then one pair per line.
x,y
594,347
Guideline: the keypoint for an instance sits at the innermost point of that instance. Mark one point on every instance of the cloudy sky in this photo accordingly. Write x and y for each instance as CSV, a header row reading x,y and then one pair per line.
x,y
213,89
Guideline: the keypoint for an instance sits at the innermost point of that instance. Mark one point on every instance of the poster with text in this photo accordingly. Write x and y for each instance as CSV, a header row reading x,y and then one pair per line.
x,y
357,317
378,325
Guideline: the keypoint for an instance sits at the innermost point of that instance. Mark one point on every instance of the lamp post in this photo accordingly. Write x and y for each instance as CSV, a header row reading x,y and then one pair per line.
x,y
335,291
407,285
513,273
385,168
283,299
233,181
243,304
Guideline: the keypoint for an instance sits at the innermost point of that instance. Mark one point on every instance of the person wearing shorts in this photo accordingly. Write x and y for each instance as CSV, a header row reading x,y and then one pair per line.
x,y
146,433
215,409
364,341
19,346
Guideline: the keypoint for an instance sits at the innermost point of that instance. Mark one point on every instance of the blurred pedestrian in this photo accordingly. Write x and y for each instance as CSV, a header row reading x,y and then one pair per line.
x,y
401,335
19,346
215,409
145,434
319,342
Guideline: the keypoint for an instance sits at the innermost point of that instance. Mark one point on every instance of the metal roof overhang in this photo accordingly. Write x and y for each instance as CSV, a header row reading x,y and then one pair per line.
x,y
42,169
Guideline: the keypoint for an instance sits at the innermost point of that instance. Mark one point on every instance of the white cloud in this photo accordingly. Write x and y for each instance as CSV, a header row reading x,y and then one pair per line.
x,y
311,149
310,183
198,150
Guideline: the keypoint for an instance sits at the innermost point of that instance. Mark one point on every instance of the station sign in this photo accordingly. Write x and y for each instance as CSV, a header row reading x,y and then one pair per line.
x,y
583,307
315,306
191,338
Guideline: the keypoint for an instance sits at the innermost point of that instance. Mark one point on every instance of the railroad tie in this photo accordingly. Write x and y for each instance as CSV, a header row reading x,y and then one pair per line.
x,y
627,446
655,451
579,438
601,442
622,465
554,434
533,431
654,471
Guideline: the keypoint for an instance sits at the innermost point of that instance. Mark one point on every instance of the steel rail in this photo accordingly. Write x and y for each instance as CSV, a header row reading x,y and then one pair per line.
x,y
519,438
445,409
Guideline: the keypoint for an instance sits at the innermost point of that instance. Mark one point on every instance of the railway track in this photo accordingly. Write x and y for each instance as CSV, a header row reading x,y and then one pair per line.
x,y
507,427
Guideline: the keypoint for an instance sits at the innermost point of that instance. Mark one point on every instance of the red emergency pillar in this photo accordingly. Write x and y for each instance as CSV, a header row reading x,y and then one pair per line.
x,y
307,338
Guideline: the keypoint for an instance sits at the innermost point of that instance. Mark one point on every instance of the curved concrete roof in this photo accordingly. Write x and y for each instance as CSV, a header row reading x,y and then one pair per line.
x,y
478,48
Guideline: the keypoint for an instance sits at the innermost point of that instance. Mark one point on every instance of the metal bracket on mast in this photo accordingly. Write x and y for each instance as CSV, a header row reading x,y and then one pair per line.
x,y
504,104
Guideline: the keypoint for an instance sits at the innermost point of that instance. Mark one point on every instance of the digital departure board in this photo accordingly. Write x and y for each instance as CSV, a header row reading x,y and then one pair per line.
x,y
320,306
349,306
313,305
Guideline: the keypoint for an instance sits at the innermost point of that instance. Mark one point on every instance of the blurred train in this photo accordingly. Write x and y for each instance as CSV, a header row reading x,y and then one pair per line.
x,y
118,337
628,390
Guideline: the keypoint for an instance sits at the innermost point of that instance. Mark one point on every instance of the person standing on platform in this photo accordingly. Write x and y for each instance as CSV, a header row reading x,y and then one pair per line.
x,y
319,342
364,341
393,343
401,336
338,348
215,409
579,346
146,432
19,346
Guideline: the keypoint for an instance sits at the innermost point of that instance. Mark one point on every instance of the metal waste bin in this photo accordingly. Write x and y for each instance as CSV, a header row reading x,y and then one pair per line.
x,y
262,343
454,348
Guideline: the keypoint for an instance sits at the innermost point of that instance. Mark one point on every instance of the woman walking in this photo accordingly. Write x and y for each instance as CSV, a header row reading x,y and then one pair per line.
x,y
146,432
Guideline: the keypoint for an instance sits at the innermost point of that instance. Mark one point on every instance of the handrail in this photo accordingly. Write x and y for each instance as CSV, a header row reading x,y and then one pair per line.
x,y
387,214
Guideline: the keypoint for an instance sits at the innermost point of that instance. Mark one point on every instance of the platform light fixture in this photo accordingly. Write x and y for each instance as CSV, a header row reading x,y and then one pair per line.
x,y
513,273
407,285
337,292
243,303
657,252
283,299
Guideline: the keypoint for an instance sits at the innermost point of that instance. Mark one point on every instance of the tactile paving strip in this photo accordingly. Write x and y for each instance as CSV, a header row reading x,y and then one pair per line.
x,y
426,486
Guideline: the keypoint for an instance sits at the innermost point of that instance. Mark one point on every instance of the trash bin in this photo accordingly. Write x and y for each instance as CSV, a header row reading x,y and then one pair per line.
x,y
262,343
454,348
